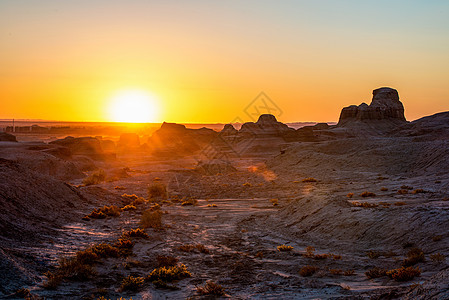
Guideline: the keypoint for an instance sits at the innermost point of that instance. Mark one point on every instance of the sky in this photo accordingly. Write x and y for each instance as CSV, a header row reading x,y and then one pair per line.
x,y
206,61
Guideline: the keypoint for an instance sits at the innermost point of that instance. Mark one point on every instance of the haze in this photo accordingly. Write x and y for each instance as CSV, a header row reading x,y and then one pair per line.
x,y
205,60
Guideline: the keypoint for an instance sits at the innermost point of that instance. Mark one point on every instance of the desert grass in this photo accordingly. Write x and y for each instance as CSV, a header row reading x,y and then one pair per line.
x,y
404,274
367,194
284,248
375,273
308,271
211,288
95,178
104,212
437,257
350,195
136,233
131,283
157,191
309,179
414,256
151,219
169,274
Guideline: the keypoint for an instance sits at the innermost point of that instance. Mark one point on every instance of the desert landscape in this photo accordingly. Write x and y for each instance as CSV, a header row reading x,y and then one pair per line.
x,y
355,210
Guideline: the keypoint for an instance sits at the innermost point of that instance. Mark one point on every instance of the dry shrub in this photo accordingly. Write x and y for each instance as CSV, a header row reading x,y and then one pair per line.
x,y
350,195
202,249
404,274
308,271
406,187
437,257
437,238
365,204
129,207
310,251
402,192
414,256
400,203
373,254
105,250
211,288
349,272
132,199
169,274
189,201
157,191
151,219
418,191
336,271
105,211
259,254
309,179
166,261
69,269
376,273
131,283
336,256
385,204
284,248
384,189
321,256
275,202
367,194
212,205
95,178
136,233
247,184
119,188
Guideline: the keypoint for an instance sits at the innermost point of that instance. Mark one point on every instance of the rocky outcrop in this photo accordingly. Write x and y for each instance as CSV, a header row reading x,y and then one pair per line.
x,y
228,129
385,105
6,137
175,139
266,125
87,146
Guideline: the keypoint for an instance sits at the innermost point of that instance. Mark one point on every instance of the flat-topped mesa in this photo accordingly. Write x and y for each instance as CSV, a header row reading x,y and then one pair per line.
x,y
385,105
265,125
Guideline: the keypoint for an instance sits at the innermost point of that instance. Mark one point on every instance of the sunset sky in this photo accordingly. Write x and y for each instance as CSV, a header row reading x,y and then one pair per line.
x,y
205,61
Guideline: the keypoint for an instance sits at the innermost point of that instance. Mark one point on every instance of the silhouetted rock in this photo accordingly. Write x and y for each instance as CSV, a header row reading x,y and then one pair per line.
x,y
385,105
6,137
228,129
129,140
175,139
265,125
88,146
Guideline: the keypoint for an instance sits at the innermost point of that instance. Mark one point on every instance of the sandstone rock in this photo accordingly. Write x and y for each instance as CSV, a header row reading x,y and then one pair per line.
x,y
88,146
385,105
228,130
266,125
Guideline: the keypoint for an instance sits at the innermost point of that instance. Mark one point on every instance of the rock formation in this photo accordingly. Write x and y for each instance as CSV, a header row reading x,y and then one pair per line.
x,y
385,105
266,125
87,146
6,137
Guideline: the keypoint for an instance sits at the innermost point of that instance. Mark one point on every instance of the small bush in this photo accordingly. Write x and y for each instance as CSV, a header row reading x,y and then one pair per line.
x,y
169,274
350,195
402,192
212,205
119,188
310,251
275,202
336,271
373,254
105,250
404,274
406,187
166,261
95,178
211,288
151,219
414,256
129,207
418,191
375,273
384,189
400,203
308,271
437,238
365,204
131,283
69,269
136,233
103,212
189,201
367,194
336,256
437,257
309,179
349,272
157,191
284,248
190,248
321,256
247,184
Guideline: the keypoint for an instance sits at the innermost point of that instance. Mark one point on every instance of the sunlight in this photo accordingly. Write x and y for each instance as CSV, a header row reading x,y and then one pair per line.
x,y
133,106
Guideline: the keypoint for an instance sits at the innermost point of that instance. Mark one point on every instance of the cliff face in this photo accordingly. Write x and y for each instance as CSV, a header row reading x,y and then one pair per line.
x,y
385,105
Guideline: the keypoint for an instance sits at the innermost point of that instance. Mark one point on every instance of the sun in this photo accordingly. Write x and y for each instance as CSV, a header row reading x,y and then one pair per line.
x,y
133,106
